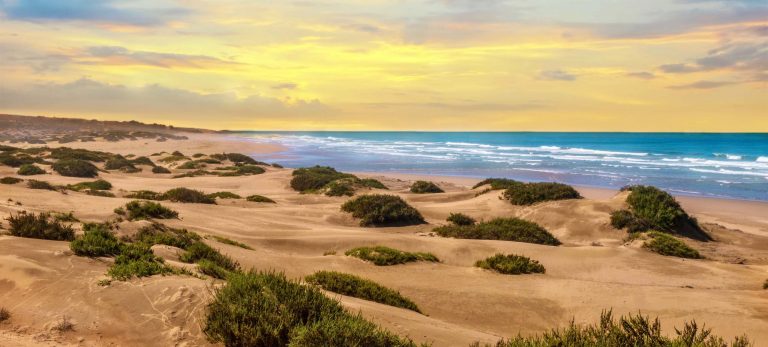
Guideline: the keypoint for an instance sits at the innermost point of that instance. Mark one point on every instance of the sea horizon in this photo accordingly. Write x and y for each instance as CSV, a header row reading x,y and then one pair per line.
x,y
717,165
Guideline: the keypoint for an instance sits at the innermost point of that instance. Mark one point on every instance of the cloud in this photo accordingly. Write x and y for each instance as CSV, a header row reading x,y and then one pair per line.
x,y
288,86
704,85
751,57
642,74
108,11
115,55
556,75
153,101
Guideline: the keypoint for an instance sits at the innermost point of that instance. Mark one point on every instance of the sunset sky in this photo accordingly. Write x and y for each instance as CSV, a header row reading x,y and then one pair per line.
x,y
582,65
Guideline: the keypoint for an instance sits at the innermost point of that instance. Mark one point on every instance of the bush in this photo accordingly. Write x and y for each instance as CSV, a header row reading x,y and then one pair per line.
x,y
511,264
198,155
200,251
210,268
531,193
240,158
665,244
147,209
29,170
35,184
315,178
497,183
379,210
263,309
4,314
95,185
97,241
383,256
259,198
460,219
765,285
159,234
145,195
633,330
351,285
346,330
173,158
244,170
39,226
424,187
160,170
340,188
224,195
187,195
372,183
143,161
137,260
65,153
507,229
10,180
75,168
120,163
227,241
656,207
177,153
191,165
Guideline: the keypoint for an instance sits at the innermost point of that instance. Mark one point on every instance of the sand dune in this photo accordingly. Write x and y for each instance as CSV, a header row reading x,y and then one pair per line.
x,y
41,282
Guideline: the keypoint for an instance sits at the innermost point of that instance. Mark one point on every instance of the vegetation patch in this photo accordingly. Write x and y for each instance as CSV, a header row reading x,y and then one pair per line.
x,y
137,260
101,193
187,195
143,161
666,244
122,164
316,178
259,198
173,158
35,184
343,187
160,170
354,286
653,209
497,183
460,219
425,187
30,169
511,264
346,330
372,183
145,195
94,185
231,242
97,241
381,210
224,195
147,209
383,256
39,226
75,168
632,330
531,193
507,229
626,219
10,180
159,234
199,251
4,314
65,153
241,170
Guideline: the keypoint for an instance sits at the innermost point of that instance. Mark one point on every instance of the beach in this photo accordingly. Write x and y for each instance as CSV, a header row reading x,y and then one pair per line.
x,y
594,269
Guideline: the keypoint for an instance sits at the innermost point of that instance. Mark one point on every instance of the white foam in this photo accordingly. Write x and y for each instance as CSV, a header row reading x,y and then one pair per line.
x,y
762,159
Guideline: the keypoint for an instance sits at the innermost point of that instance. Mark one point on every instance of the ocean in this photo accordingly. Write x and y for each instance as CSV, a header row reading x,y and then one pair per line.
x,y
731,166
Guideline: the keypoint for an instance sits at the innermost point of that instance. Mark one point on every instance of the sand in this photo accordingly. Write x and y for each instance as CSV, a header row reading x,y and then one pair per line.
x,y
41,282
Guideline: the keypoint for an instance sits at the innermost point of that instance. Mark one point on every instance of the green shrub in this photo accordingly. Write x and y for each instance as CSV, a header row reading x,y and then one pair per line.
x,y
511,264
531,193
633,330
354,286
173,158
65,217
137,260
199,251
159,234
460,219
245,170
383,256
424,187
147,210
224,195
259,198
160,170
315,178
655,206
95,185
263,309
625,219
177,153
227,241
35,184
4,314
379,210
191,165
340,188
79,154
241,158
39,226
120,163
497,183
97,241
507,229
145,195
198,155
372,183
75,168
12,161
665,244
765,284
187,195
10,180
29,170
194,174
101,193
210,268
143,161
346,330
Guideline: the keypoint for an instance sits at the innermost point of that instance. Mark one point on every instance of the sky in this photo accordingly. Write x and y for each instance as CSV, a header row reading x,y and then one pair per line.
x,y
452,65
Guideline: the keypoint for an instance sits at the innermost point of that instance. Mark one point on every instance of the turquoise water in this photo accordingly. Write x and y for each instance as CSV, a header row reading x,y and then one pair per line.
x,y
716,165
